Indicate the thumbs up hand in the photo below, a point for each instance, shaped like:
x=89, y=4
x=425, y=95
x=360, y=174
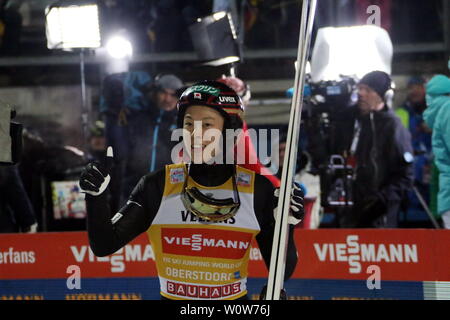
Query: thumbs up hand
x=95, y=178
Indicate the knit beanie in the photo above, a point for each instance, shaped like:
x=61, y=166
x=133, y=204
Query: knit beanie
x=378, y=81
x=169, y=81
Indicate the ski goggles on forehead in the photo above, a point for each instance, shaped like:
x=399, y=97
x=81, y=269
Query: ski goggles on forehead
x=207, y=207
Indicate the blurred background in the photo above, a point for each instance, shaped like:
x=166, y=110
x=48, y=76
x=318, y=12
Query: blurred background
x=57, y=93
x=49, y=80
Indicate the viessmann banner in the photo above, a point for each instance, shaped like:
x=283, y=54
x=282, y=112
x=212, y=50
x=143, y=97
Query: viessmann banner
x=333, y=264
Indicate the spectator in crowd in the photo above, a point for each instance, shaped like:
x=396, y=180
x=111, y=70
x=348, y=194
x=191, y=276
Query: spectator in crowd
x=163, y=94
x=378, y=146
x=437, y=117
x=411, y=114
x=16, y=212
x=140, y=114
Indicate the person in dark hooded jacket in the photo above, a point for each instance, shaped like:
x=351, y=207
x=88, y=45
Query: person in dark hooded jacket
x=374, y=141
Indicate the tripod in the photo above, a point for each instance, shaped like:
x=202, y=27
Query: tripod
x=425, y=207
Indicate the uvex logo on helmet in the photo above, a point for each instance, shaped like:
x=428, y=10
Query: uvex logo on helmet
x=227, y=99
x=216, y=95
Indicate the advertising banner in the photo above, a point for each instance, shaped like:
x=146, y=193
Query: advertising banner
x=333, y=264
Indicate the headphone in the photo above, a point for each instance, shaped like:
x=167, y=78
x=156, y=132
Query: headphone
x=389, y=95
x=247, y=94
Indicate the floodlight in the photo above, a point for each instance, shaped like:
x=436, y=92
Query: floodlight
x=215, y=40
x=118, y=47
x=350, y=51
x=70, y=25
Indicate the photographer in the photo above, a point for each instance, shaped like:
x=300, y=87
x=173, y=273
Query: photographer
x=374, y=142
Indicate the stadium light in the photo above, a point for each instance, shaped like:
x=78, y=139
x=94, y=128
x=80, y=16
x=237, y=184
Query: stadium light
x=350, y=51
x=118, y=47
x=71, y=25
x=74, y=25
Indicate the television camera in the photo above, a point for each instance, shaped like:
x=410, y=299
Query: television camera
x=325, y=101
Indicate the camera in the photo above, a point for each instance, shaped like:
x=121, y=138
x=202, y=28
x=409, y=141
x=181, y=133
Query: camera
x=336, y=183
x=325, y=101
x=332, y=96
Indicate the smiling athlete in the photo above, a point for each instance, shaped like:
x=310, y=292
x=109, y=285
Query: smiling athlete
x=201, y=216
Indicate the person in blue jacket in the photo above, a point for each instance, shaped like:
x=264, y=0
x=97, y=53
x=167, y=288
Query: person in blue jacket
x=140, y=114
x=437, y=117
x=411, y=114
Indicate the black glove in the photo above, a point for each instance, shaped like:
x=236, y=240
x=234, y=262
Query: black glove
x=95, y=178
x=297, y=210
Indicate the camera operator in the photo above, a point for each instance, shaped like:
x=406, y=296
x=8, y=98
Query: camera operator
x=374, y=142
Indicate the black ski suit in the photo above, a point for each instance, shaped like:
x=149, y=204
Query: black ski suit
x=107, y=235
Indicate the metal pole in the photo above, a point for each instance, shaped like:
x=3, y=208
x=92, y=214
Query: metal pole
x=44, y=211
x=84, y=111
x=281, y=232
x=241, y=32
x=446, y=26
